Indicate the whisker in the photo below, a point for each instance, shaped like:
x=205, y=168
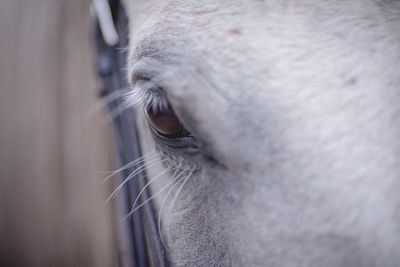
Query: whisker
x=175, y=198
x=144, y=188
x=141, y=163
x=162, y=205
x=104, y=101
x=150, y=198
x=180, y=188
x=135, y=172
x=152, y=155
x=118, y=111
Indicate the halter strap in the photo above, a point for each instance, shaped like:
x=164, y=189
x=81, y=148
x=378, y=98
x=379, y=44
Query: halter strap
x=109, y=35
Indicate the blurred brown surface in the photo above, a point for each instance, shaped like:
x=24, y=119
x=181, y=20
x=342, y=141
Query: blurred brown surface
x=52, y=210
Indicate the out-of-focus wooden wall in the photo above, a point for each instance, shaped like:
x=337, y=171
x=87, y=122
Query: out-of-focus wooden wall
x=52, y=210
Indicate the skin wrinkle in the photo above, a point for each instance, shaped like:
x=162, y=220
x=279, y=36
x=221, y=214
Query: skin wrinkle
x=299, y=102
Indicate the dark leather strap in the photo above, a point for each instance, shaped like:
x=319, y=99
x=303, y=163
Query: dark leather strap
x=145, y=247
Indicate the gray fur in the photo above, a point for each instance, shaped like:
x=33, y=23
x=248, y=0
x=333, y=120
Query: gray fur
x=298, y=102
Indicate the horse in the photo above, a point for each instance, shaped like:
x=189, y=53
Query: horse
x=274, y=128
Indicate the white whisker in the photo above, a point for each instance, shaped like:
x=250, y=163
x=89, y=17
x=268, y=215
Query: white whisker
x=176, y=197
x=180, y=188
x=150, y=156
x=135, y=172
x=144, y=188
x=162, y=205
x=104, y=101
x=118, y=110
x=153, y=196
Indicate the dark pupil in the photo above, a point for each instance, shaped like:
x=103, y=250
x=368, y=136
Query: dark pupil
x=164, y=121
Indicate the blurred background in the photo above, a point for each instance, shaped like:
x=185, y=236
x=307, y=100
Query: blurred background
x=52, y=210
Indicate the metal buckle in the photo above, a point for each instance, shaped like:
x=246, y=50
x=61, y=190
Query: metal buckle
x=102, y=10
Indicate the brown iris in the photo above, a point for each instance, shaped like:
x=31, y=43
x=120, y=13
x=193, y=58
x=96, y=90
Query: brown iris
x=165, y=122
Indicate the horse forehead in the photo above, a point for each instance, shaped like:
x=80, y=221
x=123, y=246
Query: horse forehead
x=270, y=34
x=190, y=10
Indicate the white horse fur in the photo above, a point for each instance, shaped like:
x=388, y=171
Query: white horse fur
x=296, y=105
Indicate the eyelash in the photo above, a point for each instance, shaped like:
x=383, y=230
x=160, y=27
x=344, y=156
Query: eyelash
x=148, y=98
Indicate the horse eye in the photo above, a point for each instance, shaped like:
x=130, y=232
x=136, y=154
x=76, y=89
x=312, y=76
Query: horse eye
x=165, y=122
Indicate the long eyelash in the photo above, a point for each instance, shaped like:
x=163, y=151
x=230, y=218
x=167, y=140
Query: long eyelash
x=146, y=96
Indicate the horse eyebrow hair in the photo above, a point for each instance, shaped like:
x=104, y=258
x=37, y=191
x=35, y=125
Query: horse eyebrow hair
x=140, y=76
x=143, y=70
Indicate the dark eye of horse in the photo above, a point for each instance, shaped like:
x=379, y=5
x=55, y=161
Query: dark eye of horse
x=165, y=122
